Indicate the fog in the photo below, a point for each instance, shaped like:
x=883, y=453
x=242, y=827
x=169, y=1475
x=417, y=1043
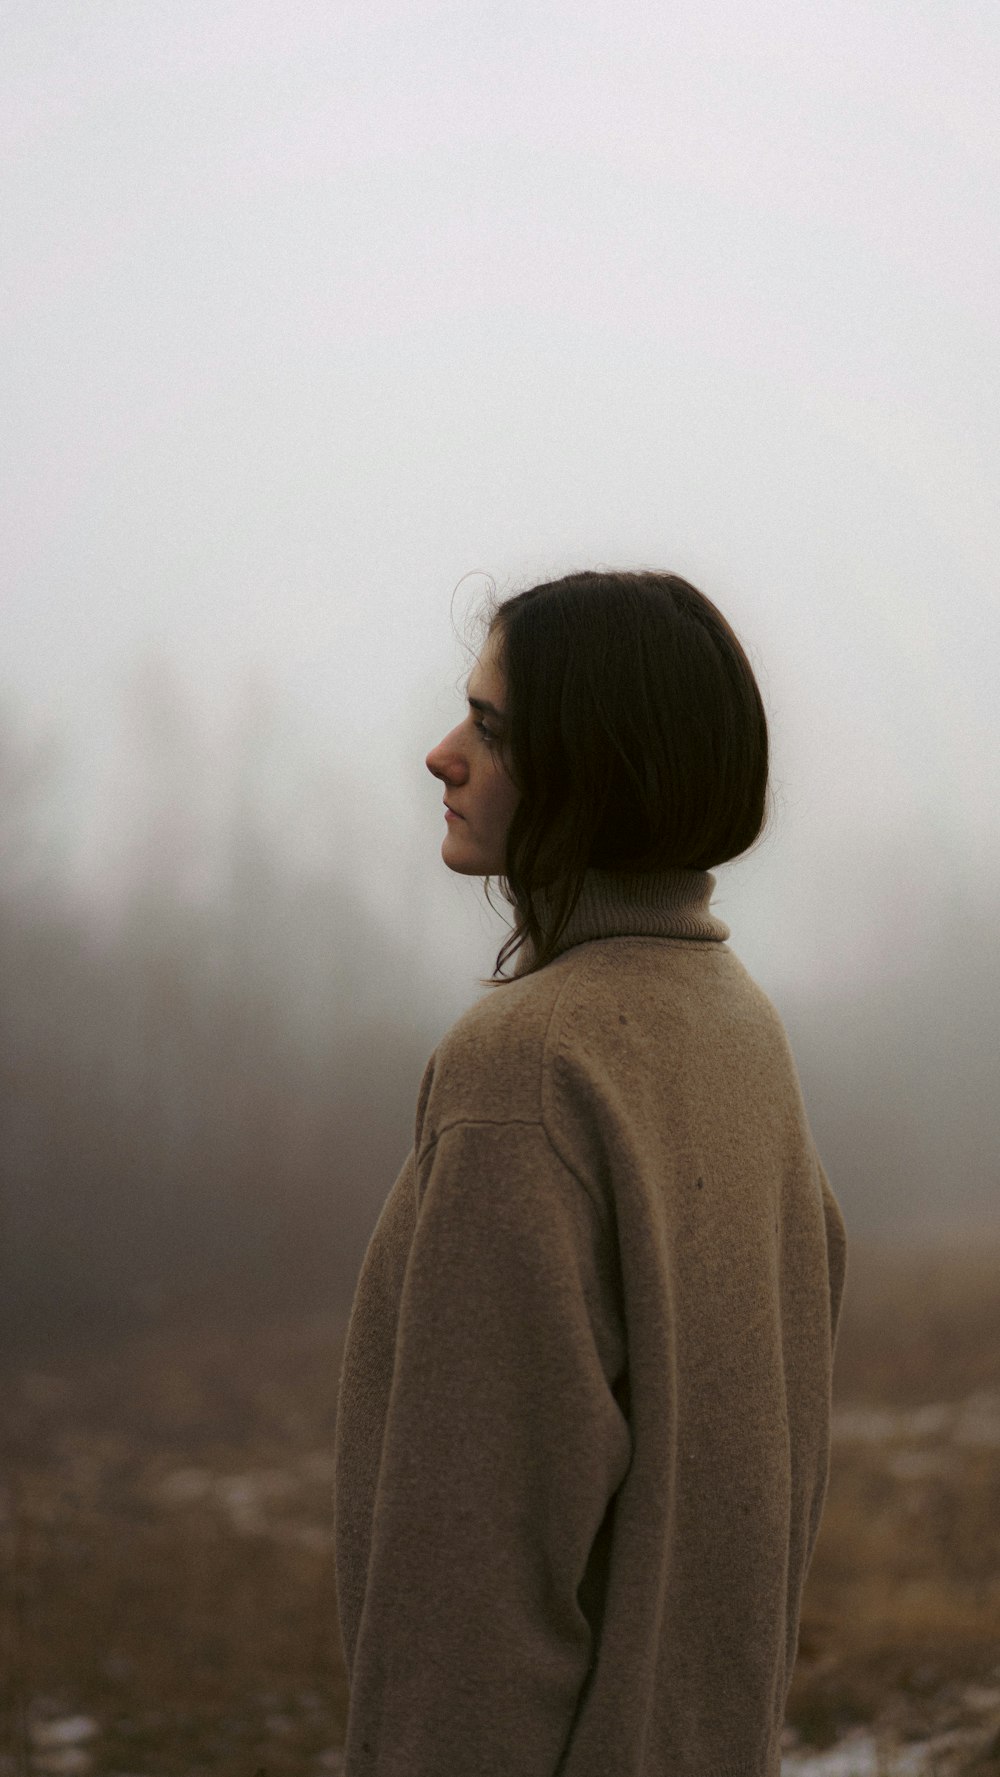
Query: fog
x=315, y=315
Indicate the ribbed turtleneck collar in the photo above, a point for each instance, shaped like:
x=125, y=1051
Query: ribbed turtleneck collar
x=644, y=904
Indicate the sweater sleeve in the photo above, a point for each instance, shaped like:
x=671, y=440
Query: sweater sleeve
x=503, y=1447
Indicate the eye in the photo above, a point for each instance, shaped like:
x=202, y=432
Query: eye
x=485, y=734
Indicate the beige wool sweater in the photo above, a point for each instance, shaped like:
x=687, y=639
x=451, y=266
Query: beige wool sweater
x=583, y=1420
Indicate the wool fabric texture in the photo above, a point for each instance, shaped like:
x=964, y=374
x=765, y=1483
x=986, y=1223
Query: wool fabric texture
x=584, y=1408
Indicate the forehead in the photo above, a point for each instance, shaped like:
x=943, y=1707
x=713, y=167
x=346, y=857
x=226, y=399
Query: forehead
x=486, y=679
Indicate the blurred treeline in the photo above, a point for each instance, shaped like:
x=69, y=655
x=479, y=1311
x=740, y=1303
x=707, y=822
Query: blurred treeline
x=211, y=1053
x=204, y=1096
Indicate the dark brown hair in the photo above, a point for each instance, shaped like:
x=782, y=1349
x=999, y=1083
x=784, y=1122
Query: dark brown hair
x=636, y=735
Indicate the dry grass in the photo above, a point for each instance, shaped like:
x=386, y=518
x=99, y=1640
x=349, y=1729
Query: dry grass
x=167, y=1520
x=901, y=1618
x=169, y=1554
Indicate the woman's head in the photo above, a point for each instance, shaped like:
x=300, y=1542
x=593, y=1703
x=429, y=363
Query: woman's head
x=634, y=738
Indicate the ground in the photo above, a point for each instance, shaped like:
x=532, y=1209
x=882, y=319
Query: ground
x=168, y=1601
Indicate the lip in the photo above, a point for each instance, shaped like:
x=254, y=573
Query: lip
x=452, y=814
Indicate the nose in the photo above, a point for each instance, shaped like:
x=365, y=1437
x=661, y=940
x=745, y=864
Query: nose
x=447, y=760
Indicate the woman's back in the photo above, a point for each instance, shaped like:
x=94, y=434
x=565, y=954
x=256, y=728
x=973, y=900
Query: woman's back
x=584, y=1411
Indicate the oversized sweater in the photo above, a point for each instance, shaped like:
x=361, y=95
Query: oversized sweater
x=583, y=1421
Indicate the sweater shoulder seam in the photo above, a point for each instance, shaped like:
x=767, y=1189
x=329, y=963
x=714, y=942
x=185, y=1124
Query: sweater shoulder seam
x=517, y=1123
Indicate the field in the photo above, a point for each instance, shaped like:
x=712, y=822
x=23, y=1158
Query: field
x=168, y=1603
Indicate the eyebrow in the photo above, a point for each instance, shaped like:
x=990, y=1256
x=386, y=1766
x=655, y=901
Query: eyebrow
x=488, y=709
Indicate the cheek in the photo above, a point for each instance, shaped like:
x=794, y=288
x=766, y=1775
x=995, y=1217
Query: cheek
x=503, y=800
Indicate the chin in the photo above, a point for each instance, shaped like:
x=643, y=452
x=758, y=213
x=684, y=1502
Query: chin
x=465, y=866
x=462, y=859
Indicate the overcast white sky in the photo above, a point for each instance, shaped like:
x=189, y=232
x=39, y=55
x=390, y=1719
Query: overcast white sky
x=312, y=309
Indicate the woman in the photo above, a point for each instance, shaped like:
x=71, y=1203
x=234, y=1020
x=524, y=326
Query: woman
x=583, y=1424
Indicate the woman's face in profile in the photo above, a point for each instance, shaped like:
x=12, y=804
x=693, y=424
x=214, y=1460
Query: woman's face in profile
x=479, y=795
